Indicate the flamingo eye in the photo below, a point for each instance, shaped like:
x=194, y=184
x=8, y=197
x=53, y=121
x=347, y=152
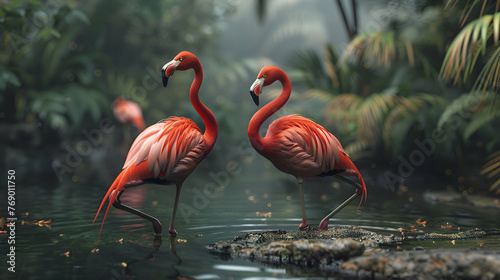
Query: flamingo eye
x=180, y=58
x=263, y=76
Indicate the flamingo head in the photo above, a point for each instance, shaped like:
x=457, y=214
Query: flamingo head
x=183, y=61
x=266, y=77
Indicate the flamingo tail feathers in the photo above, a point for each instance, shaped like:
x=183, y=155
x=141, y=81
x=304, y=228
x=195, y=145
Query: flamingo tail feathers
x=117, y=186
x=363, y=189
x=347, y=164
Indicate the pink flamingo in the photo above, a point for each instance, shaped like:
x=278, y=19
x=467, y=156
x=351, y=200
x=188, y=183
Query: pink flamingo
x=298, y=146
x=167, y=152
x=128, y=112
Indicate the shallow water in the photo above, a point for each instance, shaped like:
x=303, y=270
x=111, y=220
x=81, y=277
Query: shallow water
x=67, y=246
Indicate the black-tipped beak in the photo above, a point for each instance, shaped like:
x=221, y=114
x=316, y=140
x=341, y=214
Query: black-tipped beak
x=256, y=90
x=255, y=97
x=164, y=78
x=168, y=70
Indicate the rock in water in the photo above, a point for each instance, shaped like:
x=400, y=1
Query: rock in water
x=308, y=251
x=432, y=264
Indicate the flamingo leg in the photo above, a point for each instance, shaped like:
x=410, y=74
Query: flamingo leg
x=303, y=203
x=156, y=223
x=359, y=191
x=171, y=229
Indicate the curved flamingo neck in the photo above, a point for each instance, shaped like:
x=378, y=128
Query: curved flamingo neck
x=211, y=128
x=267, y=111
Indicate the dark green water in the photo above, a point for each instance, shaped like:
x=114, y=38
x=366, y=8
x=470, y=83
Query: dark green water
x=207, y=215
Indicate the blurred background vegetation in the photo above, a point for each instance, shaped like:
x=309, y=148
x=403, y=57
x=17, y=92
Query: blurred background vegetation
x=380, y=77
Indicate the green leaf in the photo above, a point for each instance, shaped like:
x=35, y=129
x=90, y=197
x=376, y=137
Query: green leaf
x=476, y=122
x=80, y=15
x=8, y=77
x=47, y=32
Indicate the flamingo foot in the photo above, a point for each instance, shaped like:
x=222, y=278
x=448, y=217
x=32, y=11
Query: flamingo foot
x=172, y=231
x=303, y=225
x=157, y=227
x=323, y=224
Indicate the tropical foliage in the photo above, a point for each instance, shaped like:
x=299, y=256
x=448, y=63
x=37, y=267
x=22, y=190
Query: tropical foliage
x=387, y=84
x=375, y=91
x=63, y=66
x=474, y=55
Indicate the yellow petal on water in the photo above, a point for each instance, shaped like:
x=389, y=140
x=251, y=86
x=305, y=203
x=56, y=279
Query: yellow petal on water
x=263, y=214
x=124, y=264
x=66, y=254
x=422, y=223
x=453, y=242
x=120, y=240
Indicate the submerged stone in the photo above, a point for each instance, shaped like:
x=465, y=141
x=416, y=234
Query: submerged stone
x=307, y=251
x=357, y=253
x=432, y=264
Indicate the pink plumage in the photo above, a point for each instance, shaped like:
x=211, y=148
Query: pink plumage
x=297, y=145
x=167, y=152
x=127, y=111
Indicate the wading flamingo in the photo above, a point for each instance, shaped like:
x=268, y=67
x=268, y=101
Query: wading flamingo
x=128, y=112
x=299, y=146
x=167, y=152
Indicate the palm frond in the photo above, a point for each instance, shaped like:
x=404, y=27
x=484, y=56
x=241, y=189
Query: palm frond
x=404, y=112
x=372, y=114
x=489, y=77
x=332, y=70
x=378, y=48
x=464, y=103
x=492, y=168
x=471, y=109
x=469, y=7
x=477, y=121
x=358, y=149
x=465, y=49
x=342, y=109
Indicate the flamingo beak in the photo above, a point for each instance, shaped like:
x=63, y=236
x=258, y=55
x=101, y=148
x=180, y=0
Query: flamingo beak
x=256, y=90
x=168, y=70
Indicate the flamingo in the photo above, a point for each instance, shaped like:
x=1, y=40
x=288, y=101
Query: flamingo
x=297, y=145
x=167, y=152
x=128, y=112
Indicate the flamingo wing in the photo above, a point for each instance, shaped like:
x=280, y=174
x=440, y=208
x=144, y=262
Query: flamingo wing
x=308, y=141
x=167, y=144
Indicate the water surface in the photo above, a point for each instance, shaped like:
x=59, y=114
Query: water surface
x=57, y=240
